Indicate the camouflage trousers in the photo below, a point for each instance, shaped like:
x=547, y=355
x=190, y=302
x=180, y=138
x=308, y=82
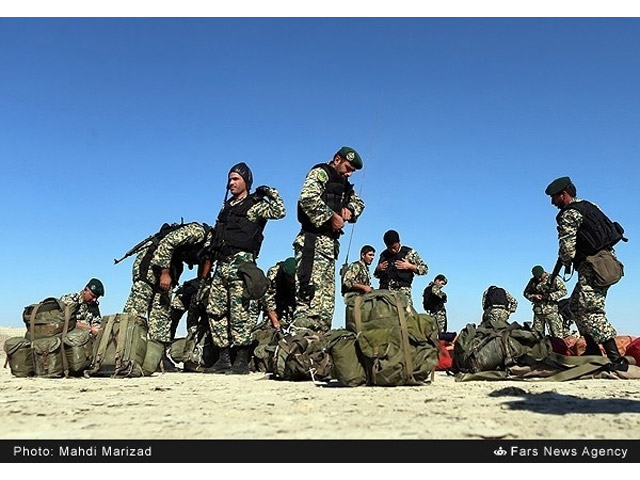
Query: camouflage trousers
x=440, y=316
x=314, y=310
x=143, y=301
x=553, y=322
x=229, y=313
x=499, y=317
x=406, y=291
x=587, y=306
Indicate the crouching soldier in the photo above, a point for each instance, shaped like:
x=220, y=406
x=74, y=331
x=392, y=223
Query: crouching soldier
x=497, y=305
x=88, y=313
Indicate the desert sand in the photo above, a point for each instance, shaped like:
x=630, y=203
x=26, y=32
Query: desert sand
x=200, y=406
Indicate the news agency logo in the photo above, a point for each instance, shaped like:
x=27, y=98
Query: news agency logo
x=500, y=452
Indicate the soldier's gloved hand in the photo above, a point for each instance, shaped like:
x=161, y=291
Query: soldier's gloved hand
x=262, y=191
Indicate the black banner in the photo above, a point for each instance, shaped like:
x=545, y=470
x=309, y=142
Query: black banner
x=311, y=451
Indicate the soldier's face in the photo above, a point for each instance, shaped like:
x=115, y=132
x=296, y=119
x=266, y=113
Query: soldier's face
x=343, y=166
x=394, y=248
x=367, y=258
x=88, y=296
x=237, y=186
x=560, y=200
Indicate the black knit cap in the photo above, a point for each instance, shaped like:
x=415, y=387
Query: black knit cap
x=244, y=171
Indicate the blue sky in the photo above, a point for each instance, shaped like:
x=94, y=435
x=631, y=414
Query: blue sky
x=113, y=126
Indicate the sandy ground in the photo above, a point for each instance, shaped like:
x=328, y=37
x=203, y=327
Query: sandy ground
x=199, y=406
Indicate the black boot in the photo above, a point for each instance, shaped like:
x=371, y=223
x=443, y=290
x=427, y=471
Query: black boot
x=612, y=351
x=241, y=363
x=166, y=364
x=223, y=365
x=592, y=346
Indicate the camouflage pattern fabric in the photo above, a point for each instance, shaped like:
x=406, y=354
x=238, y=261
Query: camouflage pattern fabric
x=587, y=301
x=498, y=314
x=413, y=258
x=546, y=310
x=357, y=272
x=88, y=313
x=268, y=302
x=317, y=313
x=145, y=299
x=440, y=315
x=228, y=312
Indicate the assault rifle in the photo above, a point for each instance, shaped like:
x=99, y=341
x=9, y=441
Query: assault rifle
x=142, y=244
x=556, y=270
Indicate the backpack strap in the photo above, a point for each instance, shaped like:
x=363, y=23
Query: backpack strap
x=105, y=337
x=406, y=350
x=65, y=329
x=32, y=330
x=357, y=313
x=121, y=345
x=576, y=367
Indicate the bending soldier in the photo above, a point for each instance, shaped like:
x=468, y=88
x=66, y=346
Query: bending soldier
x=497, y=305
x=545, y=293
x=88, y=313
x=326, y=202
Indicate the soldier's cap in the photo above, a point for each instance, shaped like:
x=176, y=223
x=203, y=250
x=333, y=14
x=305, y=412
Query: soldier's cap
x=558, y=185
x=537, y=271
x=351, y=155
x=96, y=287
x=289, y=267
x=244, y=171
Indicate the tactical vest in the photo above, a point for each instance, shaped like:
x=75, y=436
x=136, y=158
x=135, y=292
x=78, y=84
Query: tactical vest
x=392, y=276
x=430, y=301
x=496, y=296
x=285, y=294
x=234, y=232
x=336, y=193
x=597, y=232
x=165, y=230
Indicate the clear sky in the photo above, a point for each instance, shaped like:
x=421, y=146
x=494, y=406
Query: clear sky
x=112, y=126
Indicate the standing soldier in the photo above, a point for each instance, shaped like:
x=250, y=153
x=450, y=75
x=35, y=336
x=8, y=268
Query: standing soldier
x=545, y=293
x=156, y=271
x=357, y=278
x=326, y=202
x=497, y=305
x=398, y=265
x=584, y=230
x=433, y=300
x=88, y=313
x=237, y=239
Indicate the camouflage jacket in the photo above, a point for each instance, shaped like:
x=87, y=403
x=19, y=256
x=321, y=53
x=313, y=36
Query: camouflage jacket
x=513, y=303
x=88, y=313
x=551, y=294
x=357, y=272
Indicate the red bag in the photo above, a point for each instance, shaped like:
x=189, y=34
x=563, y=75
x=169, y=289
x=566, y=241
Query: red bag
x=445, y=360
x=559, y=345
x=633, y=350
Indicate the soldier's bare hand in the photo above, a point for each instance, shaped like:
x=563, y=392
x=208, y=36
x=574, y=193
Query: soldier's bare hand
x=337, y=222
x=404, y=265
x=346, y=214
x=165, y=281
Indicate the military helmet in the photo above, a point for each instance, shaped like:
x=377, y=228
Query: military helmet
x=244, y=171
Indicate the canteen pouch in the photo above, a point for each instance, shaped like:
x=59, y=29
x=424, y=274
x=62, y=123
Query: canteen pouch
x=19, y=356
x=607, y=269
x=78, y=349
x=48, y=361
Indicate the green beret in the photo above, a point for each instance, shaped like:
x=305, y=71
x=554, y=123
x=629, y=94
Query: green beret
x=558, y=185
x=537, y=271
x=351, y=155
x=96, y=287
x=289, y=267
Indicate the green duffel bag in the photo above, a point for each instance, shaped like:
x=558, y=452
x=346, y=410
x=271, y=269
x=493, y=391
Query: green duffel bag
x=301, y=357
x=176, y=349
x=424, y=345
x=347, y=366
x=19, y=356
x=263, y=348
x=78, y=347
x=152, y=357
x=48, y=358
x=199, y=352
x=377, y=308
x=386, y=362
x=48, y=318
x=120, y=347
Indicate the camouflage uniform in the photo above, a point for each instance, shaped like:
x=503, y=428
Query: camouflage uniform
x=146, y=298
x=230, y=316
x=498, y=315
x=183, y=301
x=587, y=300
x=440, y=312
x=545, y=312
x=316, y=312
x=357, y=272
x=413, y=258
x=268, y=302
x=88, y=313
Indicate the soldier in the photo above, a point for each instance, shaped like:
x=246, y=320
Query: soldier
x=279, y=302
x=157, y=270
x=326, y=202
x=545, y=293
x=398, y=265
x=88, y=313
x=584, y=230
x=497, y=305
x=184, y=301
x=237, y=240
x=433, y=300
x=357, y=278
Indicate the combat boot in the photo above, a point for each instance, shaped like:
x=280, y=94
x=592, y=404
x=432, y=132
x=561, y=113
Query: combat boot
x=613, y=354
x=592, y=346
x=166, y=364
x=223, y=365
x=241, y=362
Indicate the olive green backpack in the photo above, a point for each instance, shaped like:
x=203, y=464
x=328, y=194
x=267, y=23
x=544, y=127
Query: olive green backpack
x=49, y=317
x=395, y=344
x=302, y=356
x=122, y=348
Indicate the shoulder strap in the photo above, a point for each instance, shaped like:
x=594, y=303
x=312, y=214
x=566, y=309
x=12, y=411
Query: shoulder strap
x=404, y=332
x=65, y=329
x=357, y=313
x=105, y=336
